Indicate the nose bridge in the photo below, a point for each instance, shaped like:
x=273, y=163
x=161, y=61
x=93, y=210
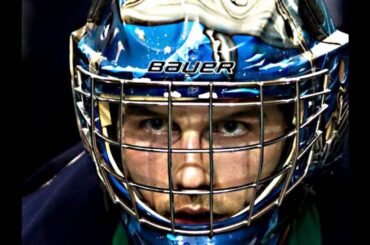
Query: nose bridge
x=191, y=139
x=192, y=171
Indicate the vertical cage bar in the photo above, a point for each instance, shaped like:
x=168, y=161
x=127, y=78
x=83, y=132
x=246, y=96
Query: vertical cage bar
x=324, y=87
x=298, y=130
x=92, y=114
x=125, y=169
x=169, y=156
x=326, y=81
x=93, y=139
x=75, y=82
x=211, y=170
x=262, y=148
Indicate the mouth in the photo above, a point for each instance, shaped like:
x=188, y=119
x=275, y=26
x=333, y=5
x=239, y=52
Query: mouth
x=196, y=216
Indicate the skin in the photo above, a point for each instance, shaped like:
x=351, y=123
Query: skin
x=233, y=126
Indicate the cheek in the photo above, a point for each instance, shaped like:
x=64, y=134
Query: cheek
x=147, y=168
x=158, y=201
x=237, y=168
x=272, y=154
x=240, y=168
x=231, y=203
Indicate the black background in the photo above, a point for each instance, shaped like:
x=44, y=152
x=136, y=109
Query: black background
x=49, y=126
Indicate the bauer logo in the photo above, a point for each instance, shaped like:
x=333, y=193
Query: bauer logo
x=192, y=68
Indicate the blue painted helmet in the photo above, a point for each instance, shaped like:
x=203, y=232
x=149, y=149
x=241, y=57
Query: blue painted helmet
x=260, y=85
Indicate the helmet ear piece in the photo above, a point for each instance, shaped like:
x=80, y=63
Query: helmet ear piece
x=95, y=12
x=312, y=17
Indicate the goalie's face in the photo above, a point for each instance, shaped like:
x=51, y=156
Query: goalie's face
x=232, y=127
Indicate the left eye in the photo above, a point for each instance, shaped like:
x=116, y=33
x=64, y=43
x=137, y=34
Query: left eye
x=231, y=128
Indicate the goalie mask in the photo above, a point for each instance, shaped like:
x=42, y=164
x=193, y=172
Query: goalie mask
x=202, y=116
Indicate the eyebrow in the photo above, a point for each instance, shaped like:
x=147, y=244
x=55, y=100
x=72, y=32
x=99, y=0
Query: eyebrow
x=254, y=112
x=138, y=110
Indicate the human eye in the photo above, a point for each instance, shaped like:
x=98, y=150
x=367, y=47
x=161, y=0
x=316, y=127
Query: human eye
x=157, y=126
x=154, y=125
x=230, y=128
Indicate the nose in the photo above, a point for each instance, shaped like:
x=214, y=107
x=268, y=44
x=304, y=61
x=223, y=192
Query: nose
x=192, y=171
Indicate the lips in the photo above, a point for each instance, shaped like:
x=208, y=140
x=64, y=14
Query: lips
x=196, y=216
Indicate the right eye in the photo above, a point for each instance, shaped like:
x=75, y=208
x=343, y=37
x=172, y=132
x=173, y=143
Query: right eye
x=154, y=125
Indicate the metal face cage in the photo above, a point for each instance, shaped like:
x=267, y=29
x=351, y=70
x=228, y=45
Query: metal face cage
x=99, y=100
